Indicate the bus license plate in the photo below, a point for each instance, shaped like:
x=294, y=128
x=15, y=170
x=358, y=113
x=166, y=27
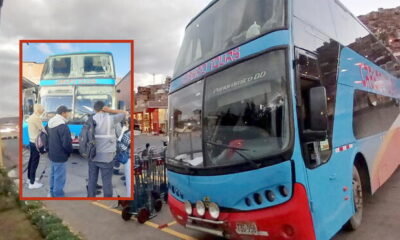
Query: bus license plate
x=246, y=228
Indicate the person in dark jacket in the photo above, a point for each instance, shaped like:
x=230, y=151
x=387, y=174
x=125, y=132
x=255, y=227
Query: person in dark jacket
x=60, y=148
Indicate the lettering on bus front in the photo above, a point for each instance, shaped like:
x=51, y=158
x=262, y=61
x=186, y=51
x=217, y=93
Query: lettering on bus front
x=240, y=82
x=211, y=65
x=76, y=81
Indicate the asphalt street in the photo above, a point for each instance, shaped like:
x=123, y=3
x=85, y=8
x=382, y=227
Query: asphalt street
x=77, y=177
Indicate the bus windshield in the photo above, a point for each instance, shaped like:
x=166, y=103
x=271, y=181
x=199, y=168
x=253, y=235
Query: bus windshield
x=245, y=116
x=93, y=65
x=86, y=96
x=53, y=97
x=226, y=24
x=78, y=98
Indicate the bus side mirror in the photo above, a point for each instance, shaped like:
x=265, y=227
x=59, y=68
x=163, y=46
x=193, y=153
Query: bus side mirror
x=121, y=105
x=318, y=120
x=318, y=109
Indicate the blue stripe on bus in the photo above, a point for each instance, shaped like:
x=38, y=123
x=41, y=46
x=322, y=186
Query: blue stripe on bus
x=108, y=81
x=74, y=128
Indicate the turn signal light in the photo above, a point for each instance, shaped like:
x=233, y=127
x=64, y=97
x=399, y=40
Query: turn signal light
x=270, y=196
x=284, y=191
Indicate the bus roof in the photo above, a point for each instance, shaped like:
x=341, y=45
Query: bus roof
x=214, y=1
x=77, y=53
x=202, y=11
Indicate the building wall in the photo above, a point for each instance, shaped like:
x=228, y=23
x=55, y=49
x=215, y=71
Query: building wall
x=151, y=104
x=32, y=71
x=124, y=91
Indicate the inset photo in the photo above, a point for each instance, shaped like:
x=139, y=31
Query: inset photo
x=75, y=117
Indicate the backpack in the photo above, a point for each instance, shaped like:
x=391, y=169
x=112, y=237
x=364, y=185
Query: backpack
x=42, y=142
x=123, y=153
x=87, y=144
x=122, y=157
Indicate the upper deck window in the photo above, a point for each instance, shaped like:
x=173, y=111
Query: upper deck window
x=226, y=24
x=91, y=65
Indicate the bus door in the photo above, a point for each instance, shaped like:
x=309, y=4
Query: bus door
x=325, y=172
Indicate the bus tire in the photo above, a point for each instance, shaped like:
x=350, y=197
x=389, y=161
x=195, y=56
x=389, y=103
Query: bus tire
x=358, y=197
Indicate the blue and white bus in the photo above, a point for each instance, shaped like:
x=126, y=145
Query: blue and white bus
x=283, y=117
x=76, y=80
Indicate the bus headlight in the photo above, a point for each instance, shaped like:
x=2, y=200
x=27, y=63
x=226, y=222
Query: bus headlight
x=213, y=209
x=200, y=208
x=188, y=208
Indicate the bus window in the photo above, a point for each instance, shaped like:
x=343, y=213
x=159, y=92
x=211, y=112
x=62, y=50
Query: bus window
x=225, y=25
x=52, y=97
x=99, y=65
x=373, y=113
x=61, y=66
x=246, y=106
x=351, y=33
x=317, y=70
x=94, y=64
x=315, y=13
x=86, y=96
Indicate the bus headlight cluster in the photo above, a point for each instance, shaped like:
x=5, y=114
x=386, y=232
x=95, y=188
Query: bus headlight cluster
x=213, y=209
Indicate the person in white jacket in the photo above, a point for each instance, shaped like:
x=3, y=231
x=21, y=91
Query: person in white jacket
x=35, y=126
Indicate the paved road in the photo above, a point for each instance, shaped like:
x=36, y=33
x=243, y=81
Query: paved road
x=100, y=220
x=77, y=175
x=381, y=216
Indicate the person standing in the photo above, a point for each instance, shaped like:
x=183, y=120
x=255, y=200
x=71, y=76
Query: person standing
x=35, y=126
x=146, y=151
x=124, y=145
x=60, y=148
x=106, y=144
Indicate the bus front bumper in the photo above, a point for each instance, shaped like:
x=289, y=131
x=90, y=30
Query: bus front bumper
x=290, y=220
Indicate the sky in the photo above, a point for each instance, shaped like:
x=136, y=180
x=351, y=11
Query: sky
x=38, y=52
x=361, y=7
x=157, y=26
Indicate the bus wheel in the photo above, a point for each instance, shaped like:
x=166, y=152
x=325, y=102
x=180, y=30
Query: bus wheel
x=355, y=220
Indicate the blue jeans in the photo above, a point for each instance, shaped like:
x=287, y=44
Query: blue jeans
x=57, y=179
x=127, y=169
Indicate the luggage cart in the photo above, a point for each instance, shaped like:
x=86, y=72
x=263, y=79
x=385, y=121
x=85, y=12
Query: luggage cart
x=160, y=174
x=147, y=202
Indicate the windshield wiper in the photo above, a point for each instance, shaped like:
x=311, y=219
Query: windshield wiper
x=185, y=165
x=237, y=150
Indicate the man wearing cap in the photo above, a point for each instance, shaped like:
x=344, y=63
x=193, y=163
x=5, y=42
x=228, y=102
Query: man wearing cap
x=60, y=148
